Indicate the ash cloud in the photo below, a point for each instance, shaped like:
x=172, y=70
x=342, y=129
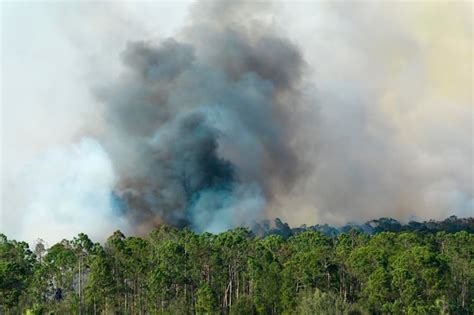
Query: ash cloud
x=198, y=128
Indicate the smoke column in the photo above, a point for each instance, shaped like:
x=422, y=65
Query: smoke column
x=214, y=114
x=198, y=128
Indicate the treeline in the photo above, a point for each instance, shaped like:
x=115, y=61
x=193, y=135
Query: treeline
x=176, y=271
x=452, y=224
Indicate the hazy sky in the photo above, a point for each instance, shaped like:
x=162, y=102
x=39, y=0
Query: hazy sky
x=389, y=113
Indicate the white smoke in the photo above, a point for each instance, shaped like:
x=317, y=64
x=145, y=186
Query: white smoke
x=65, y=191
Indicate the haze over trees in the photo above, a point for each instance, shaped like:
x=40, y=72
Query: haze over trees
x=411, y=270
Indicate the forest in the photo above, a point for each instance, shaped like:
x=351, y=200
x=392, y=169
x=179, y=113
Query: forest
x=423, y=268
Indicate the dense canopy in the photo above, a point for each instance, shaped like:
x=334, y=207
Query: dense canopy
x=176, y=271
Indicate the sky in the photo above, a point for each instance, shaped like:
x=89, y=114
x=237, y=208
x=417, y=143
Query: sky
x=388, y=116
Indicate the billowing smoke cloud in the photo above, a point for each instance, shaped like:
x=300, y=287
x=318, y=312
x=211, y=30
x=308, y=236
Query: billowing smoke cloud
x=394, y=92
x=80, y=178
x=198, y=128
x=314, y=112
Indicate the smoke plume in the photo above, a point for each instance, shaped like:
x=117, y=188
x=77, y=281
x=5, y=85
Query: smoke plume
x=215, y=114
x=198, y=128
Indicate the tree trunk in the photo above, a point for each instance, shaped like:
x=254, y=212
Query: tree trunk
x=80, y=295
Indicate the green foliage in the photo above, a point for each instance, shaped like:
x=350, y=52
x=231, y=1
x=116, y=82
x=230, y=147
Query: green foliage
x=206, y=301
x=318, y=302
x=243, y=306
x=16, y=267
x=176, y=271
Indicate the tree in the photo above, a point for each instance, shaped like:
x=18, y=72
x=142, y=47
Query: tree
x=16, y=265
x=176, y=271
x=82, y=246
x=321, y=303
x=206, y=301
x=100, y=286
x=418, y=274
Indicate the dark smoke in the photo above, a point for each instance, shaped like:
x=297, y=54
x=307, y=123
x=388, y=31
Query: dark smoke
x=198, y=128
